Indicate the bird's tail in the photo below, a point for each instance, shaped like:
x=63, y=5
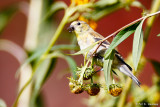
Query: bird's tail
x=124, y=69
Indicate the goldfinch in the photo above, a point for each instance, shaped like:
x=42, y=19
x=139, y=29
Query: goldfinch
x=86, y=36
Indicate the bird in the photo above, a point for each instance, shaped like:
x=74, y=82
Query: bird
x=86, y=36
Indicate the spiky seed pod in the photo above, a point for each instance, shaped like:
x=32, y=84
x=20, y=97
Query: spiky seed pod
x=75, y=86
x=92, y=89
x=87, y=74
x=115, y=89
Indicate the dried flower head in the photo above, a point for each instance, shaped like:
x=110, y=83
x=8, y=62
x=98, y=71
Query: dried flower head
x=92, y=89
x=75, y=86
x=89, y=72
x=115, y=89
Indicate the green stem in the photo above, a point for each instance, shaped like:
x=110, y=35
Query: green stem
x=21, y=91
x=56, y=35
x=68, y=12
x=42, y=58
x=150, y=22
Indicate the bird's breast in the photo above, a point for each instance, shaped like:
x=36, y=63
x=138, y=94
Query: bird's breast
x=85, y=41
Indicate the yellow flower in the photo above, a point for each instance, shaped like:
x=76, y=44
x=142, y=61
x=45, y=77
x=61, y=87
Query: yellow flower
x=80, y=2
x=90, y=22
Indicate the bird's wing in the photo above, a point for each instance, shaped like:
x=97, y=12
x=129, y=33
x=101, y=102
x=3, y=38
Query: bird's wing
x=120, y=58
x=106, y=44
x=98, y=37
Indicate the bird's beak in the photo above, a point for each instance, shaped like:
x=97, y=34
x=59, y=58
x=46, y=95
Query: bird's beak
x=70, y=28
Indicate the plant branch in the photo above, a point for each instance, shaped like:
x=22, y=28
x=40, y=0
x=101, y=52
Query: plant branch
x=151, y=20
x=116, y=32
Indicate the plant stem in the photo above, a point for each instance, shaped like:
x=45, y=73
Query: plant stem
x=116, y=32
x=42, y=58
x=150, y=22
x=68, y=12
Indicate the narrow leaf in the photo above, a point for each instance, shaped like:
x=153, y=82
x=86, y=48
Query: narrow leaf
x=158, y=35
x=83, y=51
x=64, y=47
x=156, y=66
x=72, y=64
x=107, y=68
x=41, y=75
x=104, y=3
x=59, y=5
x=6, y=15
x=120, y=37
x=137, y=44
x=34, y=56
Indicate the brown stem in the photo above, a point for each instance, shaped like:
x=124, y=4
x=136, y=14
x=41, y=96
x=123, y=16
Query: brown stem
x=116, y=32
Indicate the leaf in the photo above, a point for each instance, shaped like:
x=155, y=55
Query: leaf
x=72, y=65
x=83, y=51
x=137, y=44
x=103, y=3
x=158, y=35
x=156, y=66
x=64, y=47
x=6, y=15
x=71, y=62
x=41, y=75
x=34, y=56
x=59, y=5
x=120, y=37
x=98, y=13
x=107, y=68
x=137, y=4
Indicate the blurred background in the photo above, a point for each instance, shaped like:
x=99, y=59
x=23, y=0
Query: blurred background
x=56, y=92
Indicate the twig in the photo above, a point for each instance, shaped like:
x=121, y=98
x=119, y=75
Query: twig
x=116, y=32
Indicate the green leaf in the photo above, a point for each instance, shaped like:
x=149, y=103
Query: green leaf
x=6, y=15
x=137, y=44
x=100, y=12
x=103, y=3
x=64, y=47
x=72, y=65
x=59, y=5
x=120, y=37
x=84, y=51
x=71, y=62
x=34, y=56
x=107, y=68
x=41, y=75
x=156, y=66
x=158, y=35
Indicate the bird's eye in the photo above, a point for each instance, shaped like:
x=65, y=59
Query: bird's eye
x=78, y=23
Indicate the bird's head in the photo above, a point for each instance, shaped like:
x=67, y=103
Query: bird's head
x=79, y=27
